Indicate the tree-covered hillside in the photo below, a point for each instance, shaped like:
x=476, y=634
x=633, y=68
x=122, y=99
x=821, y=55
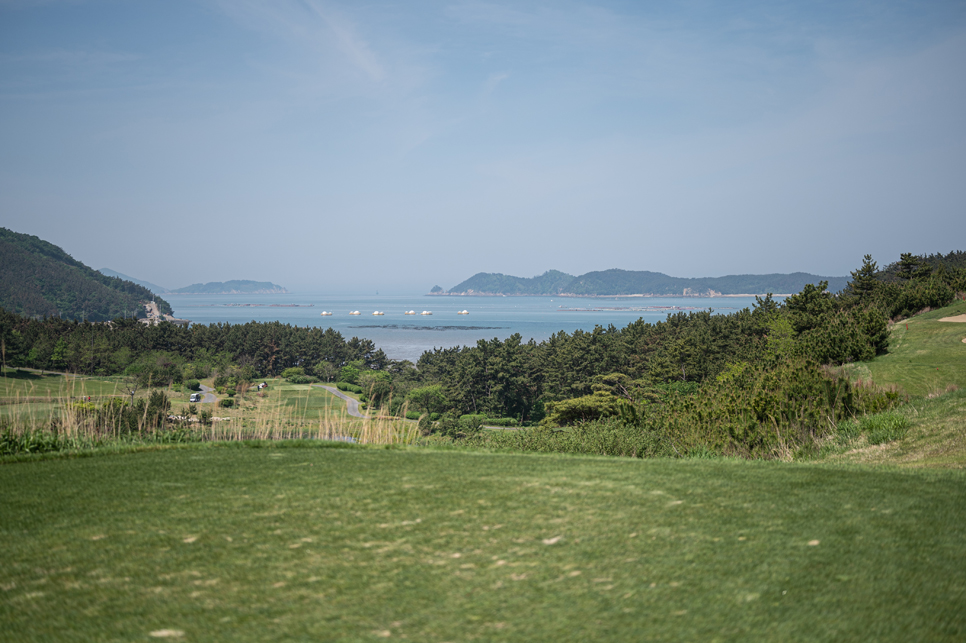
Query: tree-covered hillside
x=549, y=283
x=639, y=282
x=39, y=279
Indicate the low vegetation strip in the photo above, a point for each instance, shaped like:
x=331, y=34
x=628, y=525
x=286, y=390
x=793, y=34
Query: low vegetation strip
x=248, y=544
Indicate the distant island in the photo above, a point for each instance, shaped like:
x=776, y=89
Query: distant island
x=635, y=283
x=235, y=287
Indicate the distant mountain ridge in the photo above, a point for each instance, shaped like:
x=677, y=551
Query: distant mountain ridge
x=615, y=282
x=235, y=287
x=147, y=284
x=39, y=279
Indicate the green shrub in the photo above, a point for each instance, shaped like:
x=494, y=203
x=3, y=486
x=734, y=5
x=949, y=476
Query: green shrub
x=230, y=392
x=501, y=422
x=848, y=430
x=347, y=386
x=583, y=409
x=413, y=415
x=610, y=436
x=226, y=404
x=884, y=427
x=192, y=385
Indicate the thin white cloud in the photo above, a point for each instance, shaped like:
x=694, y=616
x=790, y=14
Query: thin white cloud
x=352, y=46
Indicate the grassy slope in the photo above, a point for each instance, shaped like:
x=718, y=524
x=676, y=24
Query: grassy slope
x=357, y=544
x=924, y=359
x=16, y=385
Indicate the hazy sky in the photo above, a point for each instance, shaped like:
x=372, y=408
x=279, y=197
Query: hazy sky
x=353, y=146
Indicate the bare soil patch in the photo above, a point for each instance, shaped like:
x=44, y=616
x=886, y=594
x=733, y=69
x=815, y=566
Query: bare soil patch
x=957, y=318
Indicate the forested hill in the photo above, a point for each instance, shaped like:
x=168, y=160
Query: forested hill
x=39, y=279
x=639, y=282
x=236, y=287
x=549, y=283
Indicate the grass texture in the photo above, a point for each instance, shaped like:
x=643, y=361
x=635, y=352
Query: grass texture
x=254, y=544
x=925, y=355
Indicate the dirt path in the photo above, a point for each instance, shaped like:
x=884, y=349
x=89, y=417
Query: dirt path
x=352, y=406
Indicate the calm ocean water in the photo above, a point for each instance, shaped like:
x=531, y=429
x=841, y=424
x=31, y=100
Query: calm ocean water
x=406, y=337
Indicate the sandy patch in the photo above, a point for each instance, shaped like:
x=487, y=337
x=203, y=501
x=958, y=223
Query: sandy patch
x=957, y=318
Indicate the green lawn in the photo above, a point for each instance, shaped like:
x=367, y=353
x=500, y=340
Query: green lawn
x=16, y=385
x=255, y=544
x=927, y=356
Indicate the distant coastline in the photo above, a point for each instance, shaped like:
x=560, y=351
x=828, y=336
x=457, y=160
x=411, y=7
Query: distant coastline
x=705, y=295
x=636, y=283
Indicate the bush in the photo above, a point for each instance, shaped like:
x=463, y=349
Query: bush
x=351, y=388
x=226, y=404
x=884, y=427
x=583, y=409
x=610, y=436
x=501, y=422
x=413, y=415
x=301, y=379
x=192, y=385
x=848, y=430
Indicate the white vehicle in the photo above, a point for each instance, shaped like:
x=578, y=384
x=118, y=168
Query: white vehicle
x=195, y=397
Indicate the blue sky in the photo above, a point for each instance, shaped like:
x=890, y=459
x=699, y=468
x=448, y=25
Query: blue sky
x=337, y=146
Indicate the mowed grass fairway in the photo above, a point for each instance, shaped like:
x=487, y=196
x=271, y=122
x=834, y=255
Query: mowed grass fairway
x=303, y=543
x=927, y=356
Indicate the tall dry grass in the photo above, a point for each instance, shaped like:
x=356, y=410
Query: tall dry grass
x=67, y=421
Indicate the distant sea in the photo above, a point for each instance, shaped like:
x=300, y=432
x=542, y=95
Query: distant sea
x=407, y=337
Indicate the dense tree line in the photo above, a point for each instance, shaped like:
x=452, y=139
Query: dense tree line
x=265, y=349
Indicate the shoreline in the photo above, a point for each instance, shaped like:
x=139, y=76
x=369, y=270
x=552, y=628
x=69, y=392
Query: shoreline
x=715, y=295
